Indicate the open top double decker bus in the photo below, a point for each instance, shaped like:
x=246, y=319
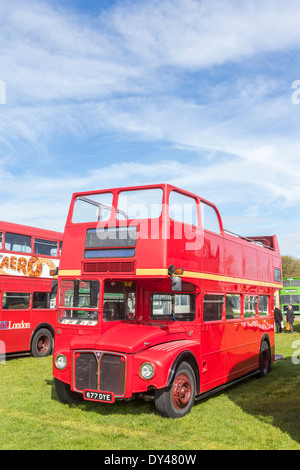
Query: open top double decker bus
x=157, y=300
x=290, y=294
x=27, y=307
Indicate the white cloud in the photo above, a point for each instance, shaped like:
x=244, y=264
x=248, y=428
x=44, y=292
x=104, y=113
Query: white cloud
x=50, y=54
x=128, y=71
x=191, y=33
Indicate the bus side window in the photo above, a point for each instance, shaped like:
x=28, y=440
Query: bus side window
x=233, y=306
x=250, y=305
x=263, y=305
x=17, y=242
x=41, y=300
x=183, y=208
x=16, y=301
x=209, y=218
x=212, y=307
x=45, y=247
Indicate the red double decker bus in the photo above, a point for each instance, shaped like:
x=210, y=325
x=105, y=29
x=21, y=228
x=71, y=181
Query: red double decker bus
x=157, y=300
x=27, y=308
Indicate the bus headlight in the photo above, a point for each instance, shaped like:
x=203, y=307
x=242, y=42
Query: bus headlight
x=60, y=361
x=147, y=370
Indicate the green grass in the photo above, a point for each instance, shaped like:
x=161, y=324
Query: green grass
x=257, y=414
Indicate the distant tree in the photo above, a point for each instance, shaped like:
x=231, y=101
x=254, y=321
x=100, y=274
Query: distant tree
x=290, y=266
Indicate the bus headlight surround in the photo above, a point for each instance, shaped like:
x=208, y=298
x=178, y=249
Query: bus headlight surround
x=60, y=361
x=147, y=370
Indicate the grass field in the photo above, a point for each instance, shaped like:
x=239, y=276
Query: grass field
x=257, y=414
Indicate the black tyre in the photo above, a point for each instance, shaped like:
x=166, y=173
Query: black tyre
x=42, y=343
x=65, y=394
x=177, y=400
x=264, y=359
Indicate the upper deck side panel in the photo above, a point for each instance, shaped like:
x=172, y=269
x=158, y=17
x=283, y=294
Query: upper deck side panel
x=163, y=241
x=31, y=231
x=28, y=251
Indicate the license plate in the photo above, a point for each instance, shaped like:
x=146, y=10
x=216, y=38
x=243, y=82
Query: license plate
x=93, y=395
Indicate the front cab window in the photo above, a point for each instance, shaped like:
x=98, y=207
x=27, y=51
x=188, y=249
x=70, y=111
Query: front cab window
x=79, y=302
x=119, y=301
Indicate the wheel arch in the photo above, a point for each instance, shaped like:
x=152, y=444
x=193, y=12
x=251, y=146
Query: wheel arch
x=185, y=356
x=39, y=327
x=265, y=361
x=265, y=337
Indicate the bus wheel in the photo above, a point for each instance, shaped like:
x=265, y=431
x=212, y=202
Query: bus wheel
x=264, y=359
x=65, y=394
x=177, y=400
x=42, y=343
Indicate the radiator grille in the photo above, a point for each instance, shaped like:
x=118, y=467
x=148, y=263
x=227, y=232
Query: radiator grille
x=112, y=374
x=86, y=367
x=110, y=369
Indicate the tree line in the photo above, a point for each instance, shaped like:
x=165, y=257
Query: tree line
x=290, y=266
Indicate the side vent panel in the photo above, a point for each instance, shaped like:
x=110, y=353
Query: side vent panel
x=108, y=267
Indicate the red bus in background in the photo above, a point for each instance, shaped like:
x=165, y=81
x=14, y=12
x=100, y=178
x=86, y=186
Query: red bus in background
x=27, y=308
x=157, y=300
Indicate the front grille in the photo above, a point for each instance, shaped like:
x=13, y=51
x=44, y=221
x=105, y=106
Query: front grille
x=110, y=368
x=112, y=374
x=86, y=366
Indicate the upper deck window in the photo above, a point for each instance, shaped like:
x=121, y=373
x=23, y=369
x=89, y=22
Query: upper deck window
x=92, y=208
x=183, y=208
x=140, y=204
x=16, y=242
x=209, y=218
x=1, y=238
x=45, y=247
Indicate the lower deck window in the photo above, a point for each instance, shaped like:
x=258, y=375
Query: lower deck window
x=174, y=307
x=233, y=306
x=212, y=307
x=263, y=305
x=16, y=300
x=250, y=302
x=41, y=300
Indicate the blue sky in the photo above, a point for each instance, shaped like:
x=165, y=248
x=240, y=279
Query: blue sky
x=194, y=93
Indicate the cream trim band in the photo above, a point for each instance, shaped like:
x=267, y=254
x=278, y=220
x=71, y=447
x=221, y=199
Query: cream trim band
x=191, y=274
